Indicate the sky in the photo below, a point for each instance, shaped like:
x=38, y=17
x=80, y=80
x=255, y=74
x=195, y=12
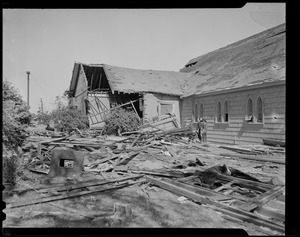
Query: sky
x=47, y=42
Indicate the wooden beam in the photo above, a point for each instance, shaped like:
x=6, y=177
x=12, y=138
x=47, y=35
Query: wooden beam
x=54, y=140
x=247, y=157
x=62, y=197
x=118, y=106
x=228, y=210
x=135, y=140
x=134, y=109
x=223, y=186
x=88, y=184
x=100, y=80
x=263, y=199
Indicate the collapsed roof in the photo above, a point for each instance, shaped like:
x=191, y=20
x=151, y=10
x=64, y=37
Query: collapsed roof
x=259, y=59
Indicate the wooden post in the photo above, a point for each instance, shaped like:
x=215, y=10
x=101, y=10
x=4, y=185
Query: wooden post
x=28, y=88
x=134, y=109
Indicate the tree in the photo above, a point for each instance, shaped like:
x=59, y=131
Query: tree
x=16, y=116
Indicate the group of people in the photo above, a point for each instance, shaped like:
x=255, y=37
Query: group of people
x=199, y=129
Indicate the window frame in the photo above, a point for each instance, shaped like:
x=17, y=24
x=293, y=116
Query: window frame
x=219, y=112
x=196, y=111
x=257, y=110
x=249, y=118
x=165, y=103
x=224, y=108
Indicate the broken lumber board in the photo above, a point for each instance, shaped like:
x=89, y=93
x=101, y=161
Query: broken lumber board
x=224, y=186
x=236, y=148
x=135, y=140
x=93, y=145
x=89, y=184
x=278, y=161
x=80, y=133
x=247, y=183
x=106, y=159
x=270, y=212
x=54, y=140
x=229, y=210
x=39, y=171
x=155, y=173
x=263, y=198
x=77, y=212
x=63, y=196
x=59, y=197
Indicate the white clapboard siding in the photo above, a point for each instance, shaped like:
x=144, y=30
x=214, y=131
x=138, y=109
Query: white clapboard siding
x=238, y=131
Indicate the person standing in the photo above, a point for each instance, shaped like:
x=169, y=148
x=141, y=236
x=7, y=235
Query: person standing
x=204, y=130
x=199, y=129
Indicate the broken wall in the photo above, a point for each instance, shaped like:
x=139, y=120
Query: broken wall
x=238, y=130
x=159, y=104
x=81, y=92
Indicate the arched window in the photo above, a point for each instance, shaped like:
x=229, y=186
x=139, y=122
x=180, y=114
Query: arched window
x=226, y=114
x=259, y=111
x=196, y=111
x=249, y=110
x=201, y=111
x=219, y=114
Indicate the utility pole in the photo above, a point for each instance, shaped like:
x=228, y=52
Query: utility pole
x=42, y=107
x=28, y=88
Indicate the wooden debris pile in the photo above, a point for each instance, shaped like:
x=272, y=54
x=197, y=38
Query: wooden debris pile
x=119, y=161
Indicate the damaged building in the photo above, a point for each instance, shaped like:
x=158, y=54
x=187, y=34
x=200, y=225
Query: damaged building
x=239, y=89
x=96, y=89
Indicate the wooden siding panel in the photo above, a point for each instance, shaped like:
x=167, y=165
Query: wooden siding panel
x=238, y=130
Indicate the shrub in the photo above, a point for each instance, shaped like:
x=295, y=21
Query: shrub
x=16, y=117
x=67, y=119
x=123, y=120
x=10, y=166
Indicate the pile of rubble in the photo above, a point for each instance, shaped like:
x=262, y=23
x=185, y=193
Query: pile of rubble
x=153, y=156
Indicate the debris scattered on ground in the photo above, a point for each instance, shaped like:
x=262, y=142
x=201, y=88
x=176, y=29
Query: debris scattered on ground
x=168, y=161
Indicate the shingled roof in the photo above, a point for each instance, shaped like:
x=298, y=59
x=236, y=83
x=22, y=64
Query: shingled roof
x=258, y=59
x=136, y=80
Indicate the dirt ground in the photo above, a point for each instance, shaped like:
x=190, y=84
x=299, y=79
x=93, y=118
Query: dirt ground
x=151, y=206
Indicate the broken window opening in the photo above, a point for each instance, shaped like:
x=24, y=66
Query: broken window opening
x=66, y=163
